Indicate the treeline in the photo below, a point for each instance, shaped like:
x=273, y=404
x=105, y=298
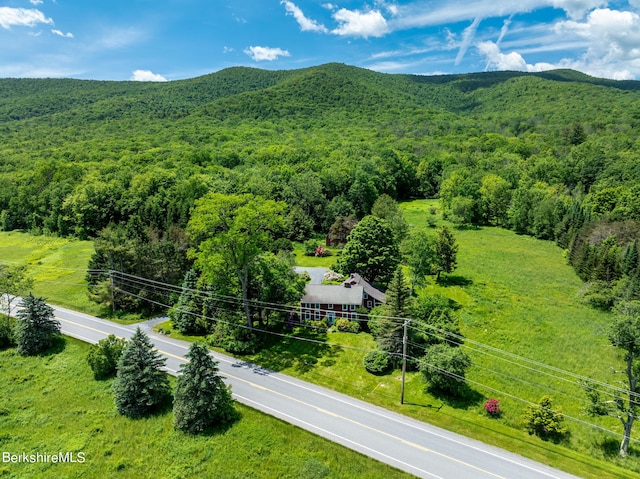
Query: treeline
x=550, y=155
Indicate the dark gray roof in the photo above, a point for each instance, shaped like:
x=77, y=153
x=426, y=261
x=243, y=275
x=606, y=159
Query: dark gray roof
x=356, y=279
x=332, y=294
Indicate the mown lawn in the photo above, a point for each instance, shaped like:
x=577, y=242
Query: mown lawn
x=52, y=404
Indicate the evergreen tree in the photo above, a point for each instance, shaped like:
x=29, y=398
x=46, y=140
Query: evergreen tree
x=37, y=328
x=184, y=315
x=201, y=399
x=141, y=387
x=446, y=252
x=397, y=295
x=630, y=259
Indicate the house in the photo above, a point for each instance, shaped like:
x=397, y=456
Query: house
x=333, y=301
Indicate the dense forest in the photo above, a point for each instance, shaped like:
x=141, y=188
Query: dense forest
x=553, y=155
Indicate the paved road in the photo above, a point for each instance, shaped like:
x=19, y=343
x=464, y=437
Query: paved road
x=412, y=446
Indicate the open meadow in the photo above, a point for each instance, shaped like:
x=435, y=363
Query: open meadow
x=52, y=404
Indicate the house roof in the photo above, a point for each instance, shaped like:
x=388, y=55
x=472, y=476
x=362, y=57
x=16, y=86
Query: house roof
x=332, y=294
x=356, y=279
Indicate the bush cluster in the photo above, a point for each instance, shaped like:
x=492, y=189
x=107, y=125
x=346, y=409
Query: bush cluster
x=346, y=326
x=377, y=362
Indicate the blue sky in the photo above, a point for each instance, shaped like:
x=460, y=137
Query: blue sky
x=173, y=39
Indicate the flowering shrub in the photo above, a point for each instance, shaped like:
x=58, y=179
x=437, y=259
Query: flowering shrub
x=492, y=406
x=321, y=251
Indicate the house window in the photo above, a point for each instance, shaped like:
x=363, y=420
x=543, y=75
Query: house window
x=317, y=305
x=354, y=316
x=365, y=295
x=353, y=307
x=307, y=305
x=368, y=304
x=307, y=315
x=345, y=307
x=317, y=315
x=330, y=306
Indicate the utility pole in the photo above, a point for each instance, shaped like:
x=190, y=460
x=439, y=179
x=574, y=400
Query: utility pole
x=404, y=357
x=111, y=285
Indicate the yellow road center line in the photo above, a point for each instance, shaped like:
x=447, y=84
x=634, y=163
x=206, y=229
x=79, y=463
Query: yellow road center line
x=324, y=411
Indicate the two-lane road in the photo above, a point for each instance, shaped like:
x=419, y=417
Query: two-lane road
x=412, y=446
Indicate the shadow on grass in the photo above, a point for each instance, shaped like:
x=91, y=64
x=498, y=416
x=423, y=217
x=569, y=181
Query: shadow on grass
x=454, y=280
x=610, y=448
x=279, y=353
x=59, y=343
x=220, y=429
x=465, y=398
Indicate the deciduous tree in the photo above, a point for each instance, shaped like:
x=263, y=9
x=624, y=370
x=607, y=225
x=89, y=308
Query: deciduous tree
x=371, y=251
x=14, y=282
x=446, y=252
x=103, y=357
x=444, y=368
x=623, y=405
x=231, y=231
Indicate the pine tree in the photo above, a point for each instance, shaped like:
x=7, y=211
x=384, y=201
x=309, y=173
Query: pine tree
x=141, y=387
x=397, y=295
x=630, y=259
x=37, y=328
x=184, y=314
x=201, y=399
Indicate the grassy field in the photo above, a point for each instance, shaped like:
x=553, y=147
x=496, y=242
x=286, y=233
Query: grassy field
x=516, y=294
x=52, y=404
x=57, y=265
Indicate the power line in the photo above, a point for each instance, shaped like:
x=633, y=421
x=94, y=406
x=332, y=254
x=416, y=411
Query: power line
x=164, y=288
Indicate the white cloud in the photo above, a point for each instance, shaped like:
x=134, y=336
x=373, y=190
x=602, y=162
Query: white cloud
x=36, y=2
x=60, y=34
x=613, y=39
x=577, y=8
x=146, y=75
x=467, y=38
x=360, y=24
x=306, y=24
x=497, y=60
x=266, y=53
x=23, y=17
x=227, y=49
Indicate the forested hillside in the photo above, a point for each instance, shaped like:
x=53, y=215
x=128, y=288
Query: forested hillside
x=553, y=155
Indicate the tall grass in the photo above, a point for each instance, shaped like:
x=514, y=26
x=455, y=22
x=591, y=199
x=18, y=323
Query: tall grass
x=58, y=266
x=52, y=404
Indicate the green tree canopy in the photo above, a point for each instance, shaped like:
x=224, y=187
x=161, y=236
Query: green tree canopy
x=624, y=335
x=141, y=386
x=184, y=315
x=231, y=232
x=446, y=252
x=14, y=282
x=103, y=357
x=371, y=251
x=444, y=368
x=37, y=329
x=201, y=400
